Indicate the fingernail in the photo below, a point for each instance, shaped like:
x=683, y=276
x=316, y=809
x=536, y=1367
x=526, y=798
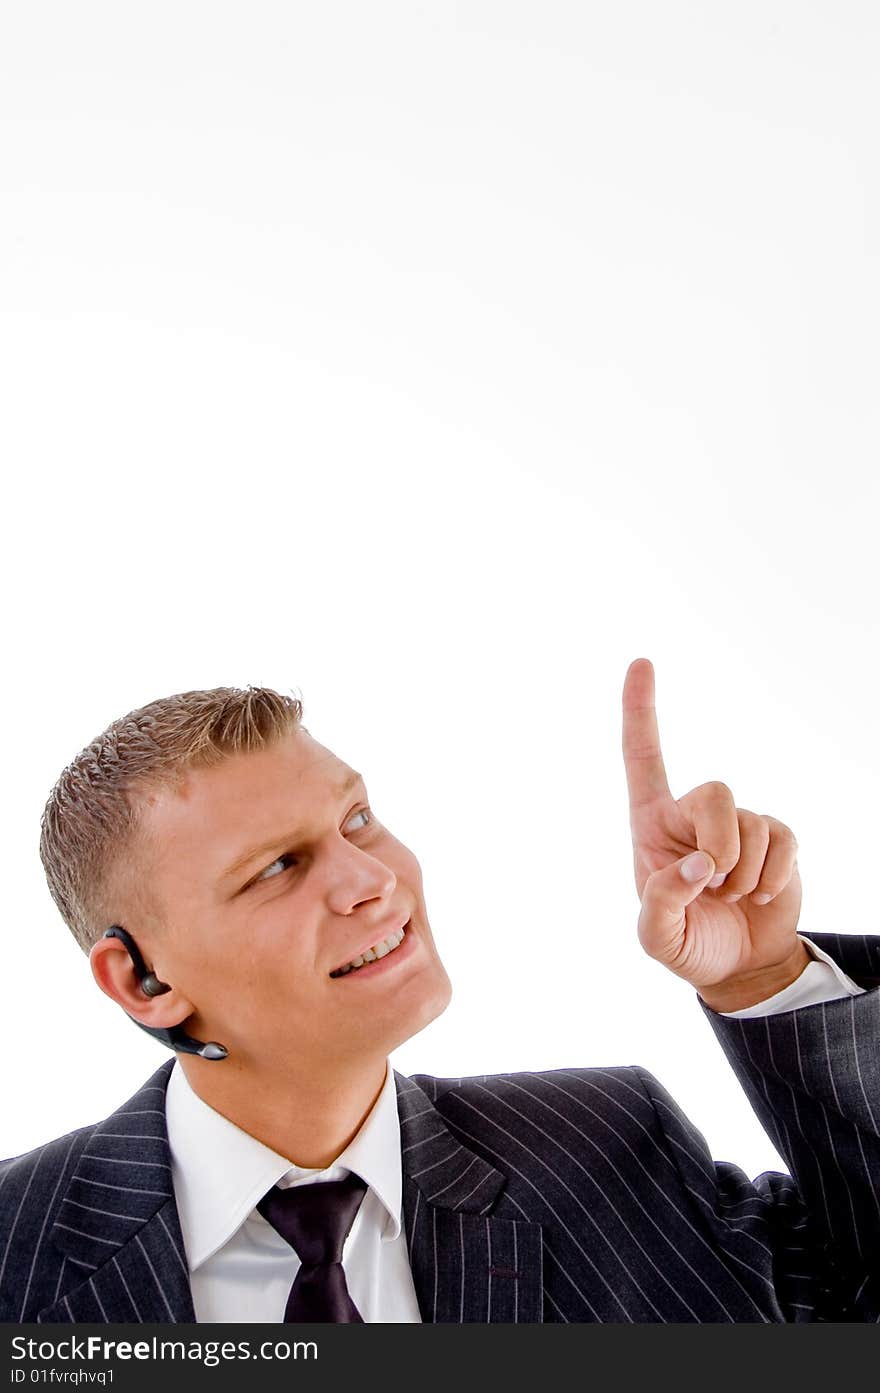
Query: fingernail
x=761, y=899
x=731, y=899
x=717, y=880
x=696, y=866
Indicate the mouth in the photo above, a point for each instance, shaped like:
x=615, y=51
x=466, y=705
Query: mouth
x=373, y=958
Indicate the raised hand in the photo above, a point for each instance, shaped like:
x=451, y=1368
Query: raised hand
x=719, y=885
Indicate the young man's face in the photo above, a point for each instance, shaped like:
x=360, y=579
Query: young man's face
x=271, y=874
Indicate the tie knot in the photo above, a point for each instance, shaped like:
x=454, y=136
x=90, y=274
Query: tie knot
x=315, y=1219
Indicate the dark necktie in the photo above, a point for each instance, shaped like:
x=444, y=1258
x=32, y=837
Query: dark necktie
x=315, y=1220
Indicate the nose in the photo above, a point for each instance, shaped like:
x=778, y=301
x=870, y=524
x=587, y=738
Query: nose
x=356, y=877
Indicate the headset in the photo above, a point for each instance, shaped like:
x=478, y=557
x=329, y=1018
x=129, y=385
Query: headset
x=173, y=1036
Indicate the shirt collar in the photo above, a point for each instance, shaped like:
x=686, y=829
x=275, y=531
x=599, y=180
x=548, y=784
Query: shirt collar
x=215, y=1198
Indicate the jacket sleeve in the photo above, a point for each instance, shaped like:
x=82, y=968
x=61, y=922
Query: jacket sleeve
x=812, y=1076
x=761, y=1230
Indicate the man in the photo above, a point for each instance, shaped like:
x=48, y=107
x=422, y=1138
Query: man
x=258, y=905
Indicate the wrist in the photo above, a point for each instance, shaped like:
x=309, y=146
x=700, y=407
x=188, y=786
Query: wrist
x=751, y=988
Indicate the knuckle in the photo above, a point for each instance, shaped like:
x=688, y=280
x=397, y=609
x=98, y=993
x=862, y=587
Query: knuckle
x=738, y=883
x=653, y=886
x=770, y=885
x=717, y=792
x=658, y=897
x=724, y=851
x=726, y=854
x=781, y=833
x=786, y=848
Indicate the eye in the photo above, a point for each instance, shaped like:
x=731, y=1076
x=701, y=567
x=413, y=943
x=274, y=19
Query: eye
x=283, y=862
x=277, y=866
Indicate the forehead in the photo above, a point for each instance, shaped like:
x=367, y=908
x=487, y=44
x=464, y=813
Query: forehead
x=220, y=810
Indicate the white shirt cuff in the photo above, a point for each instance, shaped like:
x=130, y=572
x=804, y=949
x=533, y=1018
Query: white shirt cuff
x=821, y=980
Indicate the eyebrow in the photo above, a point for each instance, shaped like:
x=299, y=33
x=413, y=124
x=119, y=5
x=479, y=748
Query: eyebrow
x=273, y=843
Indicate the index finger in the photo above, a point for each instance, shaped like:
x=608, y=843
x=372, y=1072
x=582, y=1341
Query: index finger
x=645, y=770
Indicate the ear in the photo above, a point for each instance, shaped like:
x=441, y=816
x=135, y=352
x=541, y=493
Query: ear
x=113, y=970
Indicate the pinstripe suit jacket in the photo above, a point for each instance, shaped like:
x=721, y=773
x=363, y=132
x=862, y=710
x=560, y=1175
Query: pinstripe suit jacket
x=572, y=1195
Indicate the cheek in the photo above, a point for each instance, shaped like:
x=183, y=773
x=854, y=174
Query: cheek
x=241, y=959
x=263, y=986
x=404, y=864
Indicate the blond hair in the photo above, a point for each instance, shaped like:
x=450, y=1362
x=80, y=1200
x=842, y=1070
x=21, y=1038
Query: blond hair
x=91, y=817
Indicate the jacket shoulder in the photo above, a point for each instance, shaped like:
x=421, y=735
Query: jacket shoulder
x=48, y=1163
x=526, y=1101
x=33, y=1184
x=577, y=1119
x=33, y=1188
x=44, y=1165
x=620, y=1076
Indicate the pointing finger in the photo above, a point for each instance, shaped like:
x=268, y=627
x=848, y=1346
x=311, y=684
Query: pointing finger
x=645, y=771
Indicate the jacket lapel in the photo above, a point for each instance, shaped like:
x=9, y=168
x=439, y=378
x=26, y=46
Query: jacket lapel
x=117, y=1225
x=466, y=1265
x=124, y=1257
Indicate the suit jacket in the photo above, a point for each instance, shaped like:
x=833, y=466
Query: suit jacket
x=571, y=1195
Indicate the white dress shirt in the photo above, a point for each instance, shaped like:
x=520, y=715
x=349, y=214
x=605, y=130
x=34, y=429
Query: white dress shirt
x=241, y=1270
x=821, y=980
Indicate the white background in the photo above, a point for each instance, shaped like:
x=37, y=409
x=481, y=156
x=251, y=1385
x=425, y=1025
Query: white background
x=435, y=360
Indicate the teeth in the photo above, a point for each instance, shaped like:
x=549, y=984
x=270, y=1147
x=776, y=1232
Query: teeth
x=379, y=950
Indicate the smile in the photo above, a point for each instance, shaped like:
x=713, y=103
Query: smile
x=373, y=954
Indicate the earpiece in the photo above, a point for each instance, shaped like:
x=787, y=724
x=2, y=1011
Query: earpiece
x=173, y=1036
x=151, y=986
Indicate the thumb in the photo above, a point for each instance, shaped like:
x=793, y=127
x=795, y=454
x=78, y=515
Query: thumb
x=665, y=897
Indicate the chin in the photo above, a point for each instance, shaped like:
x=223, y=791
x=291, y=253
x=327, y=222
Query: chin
x=432, y=1005
x=399, y=1025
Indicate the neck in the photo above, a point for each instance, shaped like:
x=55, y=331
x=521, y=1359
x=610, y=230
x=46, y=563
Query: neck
x=309, y=1119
